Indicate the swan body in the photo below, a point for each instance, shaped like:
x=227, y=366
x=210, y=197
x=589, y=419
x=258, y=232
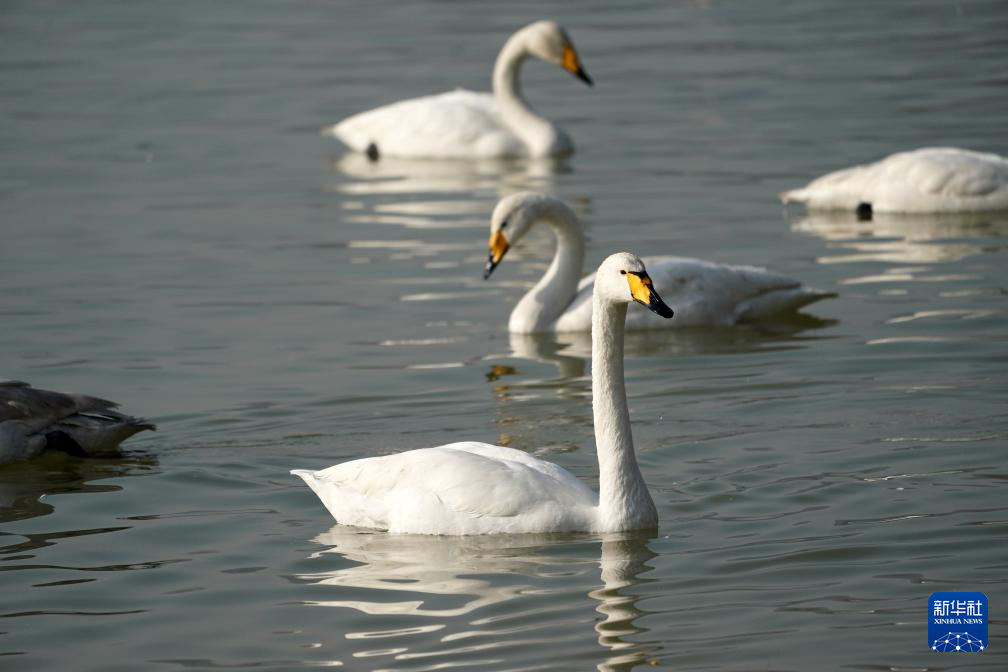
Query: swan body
x=477, y=488
x=703, y=293
x=33, y=421
x=465, y=124
x=932, y=179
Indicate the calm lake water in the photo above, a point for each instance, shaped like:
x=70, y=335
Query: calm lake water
x=178, y=237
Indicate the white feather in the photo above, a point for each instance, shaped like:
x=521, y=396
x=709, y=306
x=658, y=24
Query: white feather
x=457, y=124
x=477, y=488
x=466, y=124
x=702, y=293
x=458, y=488
x=932, y=179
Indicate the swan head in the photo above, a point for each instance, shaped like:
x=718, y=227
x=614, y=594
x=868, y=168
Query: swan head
x=550, y=42
x=622, y=278
x=513, y=216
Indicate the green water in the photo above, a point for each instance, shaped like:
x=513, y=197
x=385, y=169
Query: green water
x=177, y=237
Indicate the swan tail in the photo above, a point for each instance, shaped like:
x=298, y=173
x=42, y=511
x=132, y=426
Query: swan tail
x=781, y=301
x=344, y=505
x=793, y=196
x=308, y=476
x=347, y=133
x=323, y=493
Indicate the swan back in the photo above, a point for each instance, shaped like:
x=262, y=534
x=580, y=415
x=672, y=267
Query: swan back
x=457, y=488
x=458, y=124
x=931, y=179
x=703, y=293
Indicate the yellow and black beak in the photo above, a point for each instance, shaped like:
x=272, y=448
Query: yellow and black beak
x=642, y=291
x=572, y=64
x=498, y=248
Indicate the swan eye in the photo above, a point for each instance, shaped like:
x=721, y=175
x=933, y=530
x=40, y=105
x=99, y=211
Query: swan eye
x=622, y=272
x=504, y=224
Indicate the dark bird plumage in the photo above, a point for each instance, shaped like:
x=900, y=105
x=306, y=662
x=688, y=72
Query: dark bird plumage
x=33, y=421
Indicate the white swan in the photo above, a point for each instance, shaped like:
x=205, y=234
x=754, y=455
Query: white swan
x=34, y=420
x=477, y=488
x=702, y=293
x=463, y=124
x=932, y=179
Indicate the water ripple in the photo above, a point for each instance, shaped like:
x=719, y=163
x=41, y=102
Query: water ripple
x=462, y=586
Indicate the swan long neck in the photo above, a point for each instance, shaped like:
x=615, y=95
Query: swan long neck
x=624, y=500
x=548, y=299
x=539, y=134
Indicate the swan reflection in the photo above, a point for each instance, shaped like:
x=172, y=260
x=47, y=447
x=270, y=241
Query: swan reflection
x=361, y=176
x=458, y=587
x=904, y=238
x=569, y=351
x=623, y=561
x=566, y=355
x=24, y=485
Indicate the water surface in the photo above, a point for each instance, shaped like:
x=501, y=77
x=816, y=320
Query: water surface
x=178, y=237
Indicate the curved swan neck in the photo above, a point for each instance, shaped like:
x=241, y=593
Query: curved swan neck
x=624, y=500
x=548, y=299
x=538, y=134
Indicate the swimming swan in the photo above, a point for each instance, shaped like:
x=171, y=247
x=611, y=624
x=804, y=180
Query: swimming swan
x=34, y=420
x=932, y=179
x=477, y=488
x=465, y=124
x=703, y=293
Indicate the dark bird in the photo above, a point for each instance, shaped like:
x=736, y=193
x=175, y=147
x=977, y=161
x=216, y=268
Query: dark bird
x=33, y=421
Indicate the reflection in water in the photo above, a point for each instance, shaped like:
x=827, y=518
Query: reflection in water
x=23, y=485
x=904, y=238
x=570, y=351
x=443, y=579
x=425, y=196
x=414, y=176
x=624, y=560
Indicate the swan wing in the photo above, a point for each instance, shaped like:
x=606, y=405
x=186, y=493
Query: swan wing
x=946, y=172
x=931, y=179
x=460, y=488
x=708, y=293
x=702, y=293
x=457, y=124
